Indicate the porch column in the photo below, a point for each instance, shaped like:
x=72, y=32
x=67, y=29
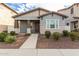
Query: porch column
x=28, y=23
x=19, y=22
x=17, y=26
x=78, y=24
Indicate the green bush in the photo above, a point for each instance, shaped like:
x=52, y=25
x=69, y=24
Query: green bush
x=12, y=33
x=65, y=33
x=9, y=39
x=73, y=36
x=47, y=34
x=56, y=36
x=2, y=36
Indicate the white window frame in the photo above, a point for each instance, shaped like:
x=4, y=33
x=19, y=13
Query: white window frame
x=49, y=25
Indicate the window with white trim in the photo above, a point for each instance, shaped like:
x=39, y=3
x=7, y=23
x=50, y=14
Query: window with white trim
x=52, y=23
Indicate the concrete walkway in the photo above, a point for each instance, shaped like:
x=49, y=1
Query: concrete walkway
x=30, y=42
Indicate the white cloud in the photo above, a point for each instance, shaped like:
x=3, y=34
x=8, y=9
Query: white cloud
x=20, y=10
x=26, y=7
x=53, y=5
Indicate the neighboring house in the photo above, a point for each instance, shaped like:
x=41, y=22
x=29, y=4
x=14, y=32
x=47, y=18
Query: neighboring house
x=73, y=13
x=40, y=20
x=6, y=19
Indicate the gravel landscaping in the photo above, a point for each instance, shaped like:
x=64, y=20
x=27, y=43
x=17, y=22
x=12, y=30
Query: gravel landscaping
x=62, y=43
x=20, y=39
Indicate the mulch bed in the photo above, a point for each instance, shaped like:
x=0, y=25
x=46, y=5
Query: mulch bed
x=20, y=39
x=63, y=43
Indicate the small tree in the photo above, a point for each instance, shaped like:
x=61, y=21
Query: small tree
x=12, y=33
x=2, y=36
x=47, y=34
x=65, y=33
x=9, y=39
x=56, y=36
x=73, y=36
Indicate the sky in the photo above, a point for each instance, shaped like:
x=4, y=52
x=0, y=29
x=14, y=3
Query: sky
x=22, y=7
x=52, y=5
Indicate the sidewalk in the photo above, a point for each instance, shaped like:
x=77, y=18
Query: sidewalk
x=39, y=52
x=30, y=42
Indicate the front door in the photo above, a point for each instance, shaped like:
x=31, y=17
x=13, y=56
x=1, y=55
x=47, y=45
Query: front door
x=35, y=26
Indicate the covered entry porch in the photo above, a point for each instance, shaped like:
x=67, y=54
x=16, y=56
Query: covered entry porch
x=74, y=25
x=31, y=26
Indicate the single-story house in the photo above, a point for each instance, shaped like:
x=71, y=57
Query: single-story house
x=40, y=20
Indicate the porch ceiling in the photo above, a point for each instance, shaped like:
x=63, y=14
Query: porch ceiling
x=73, y=19
x=27, y=18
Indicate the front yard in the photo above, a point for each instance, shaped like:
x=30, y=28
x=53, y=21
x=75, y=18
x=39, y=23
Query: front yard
x=62, y=43
x=15, y=45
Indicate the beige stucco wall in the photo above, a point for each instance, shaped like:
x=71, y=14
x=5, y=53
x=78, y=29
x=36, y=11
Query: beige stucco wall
x=68, y=11
x=6, y=17
x=76, y=10
x=62, y=24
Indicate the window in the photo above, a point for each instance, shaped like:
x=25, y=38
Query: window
x=72, y=11
x=52, y=23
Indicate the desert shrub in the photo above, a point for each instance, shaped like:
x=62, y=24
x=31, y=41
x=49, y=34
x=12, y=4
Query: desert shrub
x=12, y=33
x=47, y=34
x=2, y=36
x=65, y=33
x=74, y=36
x=56, y=36
x=9, y=39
